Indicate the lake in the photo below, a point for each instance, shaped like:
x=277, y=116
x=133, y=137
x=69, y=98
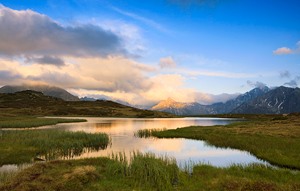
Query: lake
x=121, y=132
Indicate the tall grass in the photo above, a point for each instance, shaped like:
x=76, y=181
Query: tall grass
x=9, y=174
x=6, y=176
x=147, y=170
x=22, y=146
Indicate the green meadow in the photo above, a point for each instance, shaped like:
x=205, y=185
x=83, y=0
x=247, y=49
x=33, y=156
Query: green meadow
x=275, y=139
x=28, y=121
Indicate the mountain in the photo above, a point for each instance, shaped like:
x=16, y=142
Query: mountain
x=277, y=101
x=180, y=108
x=30, y=102
x=227, y=107
x=194, y=108
x=45, y=89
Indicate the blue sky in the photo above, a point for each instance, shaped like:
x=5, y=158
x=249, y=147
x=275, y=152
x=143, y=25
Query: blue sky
x=192, y=50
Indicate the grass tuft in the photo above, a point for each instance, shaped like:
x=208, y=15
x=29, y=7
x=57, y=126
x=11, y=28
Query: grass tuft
x=145, y=133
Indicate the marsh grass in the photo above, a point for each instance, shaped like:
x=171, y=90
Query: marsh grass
x=6, y=176
x=276, y=141
x=21, y=146
x=161, y=173
x=27, y=122
x=145, y=133
x=147, y=172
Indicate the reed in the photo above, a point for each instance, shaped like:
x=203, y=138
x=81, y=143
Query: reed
x=145, y=133
x=161, y=173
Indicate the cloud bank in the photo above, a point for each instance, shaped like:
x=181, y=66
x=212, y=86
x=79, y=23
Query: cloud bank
x=88, y=60
x=27, y=33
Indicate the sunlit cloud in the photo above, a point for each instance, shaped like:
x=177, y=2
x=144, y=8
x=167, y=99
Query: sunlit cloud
x=283, y=50
x=286, y=50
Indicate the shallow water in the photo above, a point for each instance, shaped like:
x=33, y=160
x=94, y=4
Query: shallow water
x=121, y=132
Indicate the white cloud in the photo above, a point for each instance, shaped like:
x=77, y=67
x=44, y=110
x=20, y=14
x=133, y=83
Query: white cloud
x=131, y=34
x=285, y=74
x=142, y=19
x=167, y=62
x=194, y=73
x=256, y=84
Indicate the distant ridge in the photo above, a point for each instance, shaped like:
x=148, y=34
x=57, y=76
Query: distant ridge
x=45, y=89
x=260, y=100
x=180, y=108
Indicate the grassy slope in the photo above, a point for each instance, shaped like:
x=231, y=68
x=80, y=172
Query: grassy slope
x=146, y=173
x=275, y=139
x=28, y=121
x=18, y=147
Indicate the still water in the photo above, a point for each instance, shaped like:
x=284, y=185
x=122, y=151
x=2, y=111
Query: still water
x=121, y=132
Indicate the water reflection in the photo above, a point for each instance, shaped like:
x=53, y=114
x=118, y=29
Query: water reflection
x=121, y=131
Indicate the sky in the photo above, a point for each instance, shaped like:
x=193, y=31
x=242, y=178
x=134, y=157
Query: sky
x=142, y=52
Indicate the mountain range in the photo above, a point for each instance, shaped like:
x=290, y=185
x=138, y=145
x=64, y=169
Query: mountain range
x=262, y=100
x=277, y=101
x=45, y=89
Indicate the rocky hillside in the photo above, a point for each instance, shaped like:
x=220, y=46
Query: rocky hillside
x=277, y=101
